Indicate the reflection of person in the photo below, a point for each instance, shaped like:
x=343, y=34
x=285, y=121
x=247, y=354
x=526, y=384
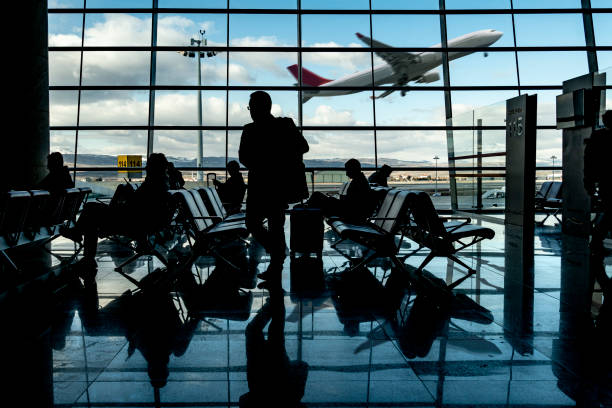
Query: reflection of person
x=272, y=149
x=58, y=178
x=356, y=205
x=273, y=379
x=380, y=176
x=232, y=191
x=146, y=210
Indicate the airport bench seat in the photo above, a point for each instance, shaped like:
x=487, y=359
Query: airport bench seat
x=428, y=230
x=215, y=206
x=549, y=199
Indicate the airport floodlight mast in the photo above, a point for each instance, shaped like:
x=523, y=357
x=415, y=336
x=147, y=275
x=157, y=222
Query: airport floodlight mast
x=553, y=157
x=436, y=158
x=198, y=55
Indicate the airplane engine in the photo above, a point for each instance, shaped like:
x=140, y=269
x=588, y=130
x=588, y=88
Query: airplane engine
x=431, y=76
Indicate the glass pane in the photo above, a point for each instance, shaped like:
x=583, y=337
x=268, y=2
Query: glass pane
x=63, y=108
x=477, y=4
x=550, y=4
x=335, y=4
x=417, y=108
x=179, y=29
x=474, y=24
x=65, y=29
x=119, y=4
x=175, y=69
x=346, y=110
x=268, y=4
x=334, y=30
x=490, y=106
x=547, y=107
x=180, y=108
x=405, y=5
x=116, y=68
x=118, y=29
x=181, y=146
x=262, y=69
x=549, y=143
x=284, y=103
x=101, y=148
x=549, y=30
x=63, y=141
x=406, y=30
x=63, y=4
x=551, y=68
x=263, y=30
x=64, y=67
x=193, y=3
x=334, y=148
x=602, y=24
x=411, y=148
x=109, y=108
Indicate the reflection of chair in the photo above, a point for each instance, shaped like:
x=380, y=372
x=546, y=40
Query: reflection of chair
x=549, y=199
x=443, y=239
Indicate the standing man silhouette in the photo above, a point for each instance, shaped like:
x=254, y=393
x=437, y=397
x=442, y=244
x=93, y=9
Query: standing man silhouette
x=272, y=149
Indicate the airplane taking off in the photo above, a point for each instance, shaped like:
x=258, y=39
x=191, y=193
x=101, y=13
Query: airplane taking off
x=399, y=67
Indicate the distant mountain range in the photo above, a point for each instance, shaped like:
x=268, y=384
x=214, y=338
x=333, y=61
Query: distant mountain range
x=100, y=160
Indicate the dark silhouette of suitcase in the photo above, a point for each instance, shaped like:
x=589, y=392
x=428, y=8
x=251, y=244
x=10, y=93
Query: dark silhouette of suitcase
x=306, y=231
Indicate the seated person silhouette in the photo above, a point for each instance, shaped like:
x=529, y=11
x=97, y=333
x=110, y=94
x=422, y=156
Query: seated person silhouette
x=356, y=206
x=58, y=178
x=380, y=176
x=232, y=191
x=273, y=379
x=146, y=210
x=175, y=178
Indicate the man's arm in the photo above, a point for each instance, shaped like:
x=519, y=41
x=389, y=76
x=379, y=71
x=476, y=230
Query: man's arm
x=244, y=151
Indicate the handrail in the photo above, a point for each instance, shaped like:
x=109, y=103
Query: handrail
x=309, y=169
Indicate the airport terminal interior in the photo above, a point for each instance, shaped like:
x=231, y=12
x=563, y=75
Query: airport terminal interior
x=440, y=183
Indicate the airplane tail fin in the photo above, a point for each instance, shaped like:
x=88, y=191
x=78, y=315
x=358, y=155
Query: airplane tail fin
x=309, y=78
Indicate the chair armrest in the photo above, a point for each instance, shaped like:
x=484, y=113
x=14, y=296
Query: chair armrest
x=212, y=217
x=467, y=219
x=382, y=218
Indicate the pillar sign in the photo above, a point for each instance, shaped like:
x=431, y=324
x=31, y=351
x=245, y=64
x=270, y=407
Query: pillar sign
x=520, y=160
x=125, y=161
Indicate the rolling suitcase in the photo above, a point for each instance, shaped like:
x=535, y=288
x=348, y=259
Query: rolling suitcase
x=306, y=231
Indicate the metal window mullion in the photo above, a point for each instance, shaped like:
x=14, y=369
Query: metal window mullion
x=518, y=74
x=589, y=35
x=152, y=81
x=227, y=64
x=299, y=78
x=373, y=94
x=448, y=107
x=78, y=118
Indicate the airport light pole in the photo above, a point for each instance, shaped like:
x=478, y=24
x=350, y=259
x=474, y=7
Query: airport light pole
x=198, y=55
x=436, y=158
x=553, y=157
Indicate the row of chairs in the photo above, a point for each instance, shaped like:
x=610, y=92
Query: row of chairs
x=36, y=217
x=549, y=199
x=411, y=214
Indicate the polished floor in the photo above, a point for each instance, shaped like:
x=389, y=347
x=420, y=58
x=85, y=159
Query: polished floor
x=520, y=332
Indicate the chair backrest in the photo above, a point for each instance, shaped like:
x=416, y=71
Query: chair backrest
x=424, y=214
x=190, y=211
x=72, y=201
x=14, y=207
x=213, y=201
x=197, y=198
x=34, y=221
x=544, y=188
x=555, y=190
x=392, y=212
x=343, y=188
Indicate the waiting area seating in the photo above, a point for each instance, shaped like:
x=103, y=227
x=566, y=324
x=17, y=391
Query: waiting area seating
x=549, y=199
x=36, y=217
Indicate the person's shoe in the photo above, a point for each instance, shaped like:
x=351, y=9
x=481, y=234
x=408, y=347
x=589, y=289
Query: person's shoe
x=71, y=233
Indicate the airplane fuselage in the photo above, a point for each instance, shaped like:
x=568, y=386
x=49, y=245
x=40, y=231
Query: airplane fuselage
x=384, y=74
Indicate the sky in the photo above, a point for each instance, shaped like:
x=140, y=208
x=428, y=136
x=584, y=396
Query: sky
x=417, y=108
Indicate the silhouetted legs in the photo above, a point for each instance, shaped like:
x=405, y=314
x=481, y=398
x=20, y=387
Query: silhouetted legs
x=271, y=238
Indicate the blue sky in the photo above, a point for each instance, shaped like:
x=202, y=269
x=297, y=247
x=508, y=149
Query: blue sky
x=416, y=108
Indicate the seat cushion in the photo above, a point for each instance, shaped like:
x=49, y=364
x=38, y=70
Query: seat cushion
x=471, y=231
x=346, y=230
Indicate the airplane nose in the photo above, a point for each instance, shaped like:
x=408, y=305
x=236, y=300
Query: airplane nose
x=497, y=34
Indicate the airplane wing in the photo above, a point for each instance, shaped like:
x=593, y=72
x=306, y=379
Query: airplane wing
x=397, y=60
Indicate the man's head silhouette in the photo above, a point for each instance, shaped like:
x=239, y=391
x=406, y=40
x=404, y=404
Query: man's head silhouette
x=352, y=167
x=260, y=105
x=233, y=168
x=55, y=161
x=386, y=170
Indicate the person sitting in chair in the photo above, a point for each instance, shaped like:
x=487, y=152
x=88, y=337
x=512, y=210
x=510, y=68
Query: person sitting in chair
x=232, y=191
x=356, y=206
x=380, y=176
x=58, y=178
x=145, y=211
